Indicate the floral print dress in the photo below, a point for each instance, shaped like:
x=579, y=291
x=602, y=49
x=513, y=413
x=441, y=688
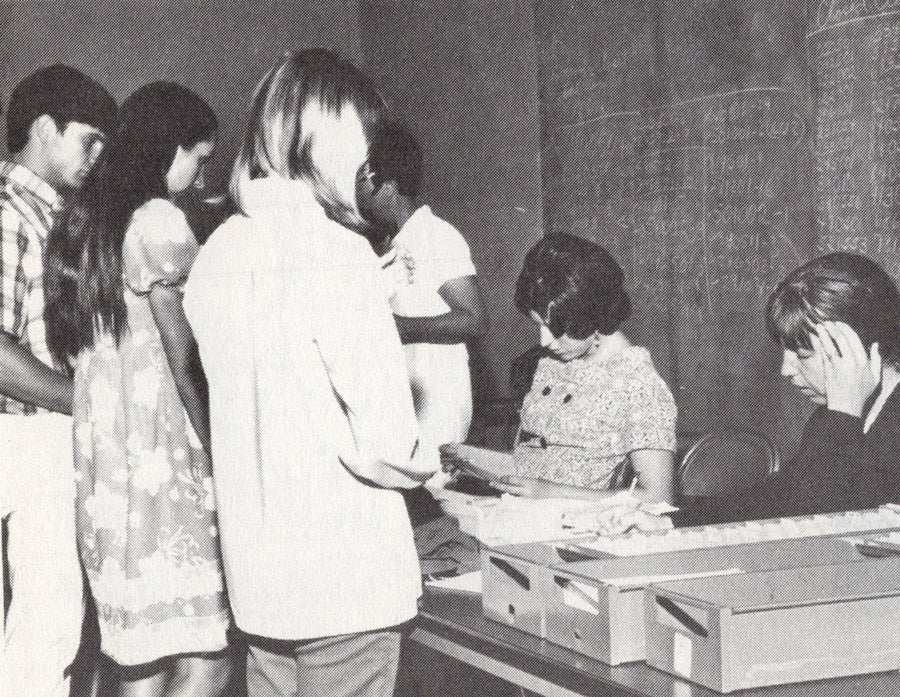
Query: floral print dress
x=147, y=526
x=581, y=419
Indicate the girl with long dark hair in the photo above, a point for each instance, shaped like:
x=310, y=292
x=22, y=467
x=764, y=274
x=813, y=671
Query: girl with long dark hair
x=147, y=525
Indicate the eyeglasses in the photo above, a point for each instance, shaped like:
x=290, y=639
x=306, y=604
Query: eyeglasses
x=365, y=172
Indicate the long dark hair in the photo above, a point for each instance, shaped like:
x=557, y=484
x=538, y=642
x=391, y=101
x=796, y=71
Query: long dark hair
x=84, y=287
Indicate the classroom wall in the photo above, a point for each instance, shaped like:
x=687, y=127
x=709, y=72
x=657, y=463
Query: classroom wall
x=713, y=146
x=466, y=89
x=219, y=49
x=463, y=75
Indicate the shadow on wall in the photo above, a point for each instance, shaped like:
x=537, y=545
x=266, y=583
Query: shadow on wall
x=469, y=93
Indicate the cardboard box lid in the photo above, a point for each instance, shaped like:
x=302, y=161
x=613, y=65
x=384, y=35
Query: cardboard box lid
x=745, y=532
x=784, y=588
x=637, y=572
x=547, y=553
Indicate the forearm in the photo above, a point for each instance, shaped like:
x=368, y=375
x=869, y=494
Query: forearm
x=25, y=379
x=182, y=356
x=195, y=405
x=449, y=328
x=832, y=435
x=711, y=511
x=406, y=472
x=584, y=493
x=821, y=477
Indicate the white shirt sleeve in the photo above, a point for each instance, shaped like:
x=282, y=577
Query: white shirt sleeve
x=449, y=255
x=359, y=345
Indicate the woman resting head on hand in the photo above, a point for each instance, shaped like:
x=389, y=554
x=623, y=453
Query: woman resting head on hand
x=837, y=321
x=597, y=412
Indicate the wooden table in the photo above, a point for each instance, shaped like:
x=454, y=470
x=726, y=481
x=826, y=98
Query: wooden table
x=452, y=624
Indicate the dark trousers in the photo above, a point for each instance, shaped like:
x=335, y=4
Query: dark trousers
x=349, y=665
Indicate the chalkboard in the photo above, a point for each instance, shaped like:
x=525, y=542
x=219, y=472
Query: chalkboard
x=856, y=57
x=713, y=146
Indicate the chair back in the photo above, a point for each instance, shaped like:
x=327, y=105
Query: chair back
x=726, y=461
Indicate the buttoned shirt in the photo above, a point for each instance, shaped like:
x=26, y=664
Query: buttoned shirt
x=28, y=205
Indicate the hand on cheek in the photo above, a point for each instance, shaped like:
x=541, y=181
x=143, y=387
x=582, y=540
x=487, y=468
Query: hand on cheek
x=850, y=374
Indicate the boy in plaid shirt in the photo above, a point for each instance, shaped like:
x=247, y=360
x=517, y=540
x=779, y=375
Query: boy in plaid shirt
x=56, y=125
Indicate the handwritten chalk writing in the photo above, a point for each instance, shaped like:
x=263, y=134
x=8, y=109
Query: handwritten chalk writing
x=887, y=244
x=857, y=132
x=834, y=13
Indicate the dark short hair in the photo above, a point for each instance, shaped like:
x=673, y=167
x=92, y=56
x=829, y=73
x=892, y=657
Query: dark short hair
x=395, y=155
x=574, y=285
x=839, y=287
x=62, y=93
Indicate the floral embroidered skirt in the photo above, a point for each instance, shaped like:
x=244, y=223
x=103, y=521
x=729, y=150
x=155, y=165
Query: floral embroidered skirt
x=147, y=530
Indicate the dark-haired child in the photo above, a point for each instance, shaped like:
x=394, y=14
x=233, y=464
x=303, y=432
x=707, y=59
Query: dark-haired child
x=431, y=286
x=147, y=523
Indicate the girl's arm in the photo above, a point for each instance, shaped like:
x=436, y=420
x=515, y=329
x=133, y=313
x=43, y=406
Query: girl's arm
x=181, y=352
x=654, y=472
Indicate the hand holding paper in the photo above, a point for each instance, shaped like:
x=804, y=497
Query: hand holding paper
x=621, y=519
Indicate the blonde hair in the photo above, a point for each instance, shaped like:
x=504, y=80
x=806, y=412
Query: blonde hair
x=310, y=118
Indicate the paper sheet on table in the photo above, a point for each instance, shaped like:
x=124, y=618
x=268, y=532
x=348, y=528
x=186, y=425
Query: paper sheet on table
x=470, y=582
x=513, y=519
x=641, y=581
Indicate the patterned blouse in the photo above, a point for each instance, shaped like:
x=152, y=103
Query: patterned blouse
x=581, y=419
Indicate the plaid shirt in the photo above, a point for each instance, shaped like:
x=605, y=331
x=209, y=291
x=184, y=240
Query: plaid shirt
x=27, y=207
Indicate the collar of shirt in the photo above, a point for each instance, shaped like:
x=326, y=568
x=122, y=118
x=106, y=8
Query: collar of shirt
x=423, y=211
x=277, y=197
x=41, y=192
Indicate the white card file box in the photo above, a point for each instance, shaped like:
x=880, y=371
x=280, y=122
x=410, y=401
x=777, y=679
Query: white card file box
x=597, y=607
x=885, y=517
x=517, y=578
x=772, y=627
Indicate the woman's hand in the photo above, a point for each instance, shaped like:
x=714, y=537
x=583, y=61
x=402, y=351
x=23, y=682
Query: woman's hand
x=850, y=374
x=450, y=459
x=621, y=519
x=529, y=487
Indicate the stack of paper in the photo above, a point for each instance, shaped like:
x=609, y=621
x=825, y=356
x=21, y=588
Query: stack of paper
x=512, y=519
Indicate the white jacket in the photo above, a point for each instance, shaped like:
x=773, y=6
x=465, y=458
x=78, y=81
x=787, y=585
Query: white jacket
x=312, y=418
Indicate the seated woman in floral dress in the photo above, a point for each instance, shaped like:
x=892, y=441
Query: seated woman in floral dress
x=597, y=414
